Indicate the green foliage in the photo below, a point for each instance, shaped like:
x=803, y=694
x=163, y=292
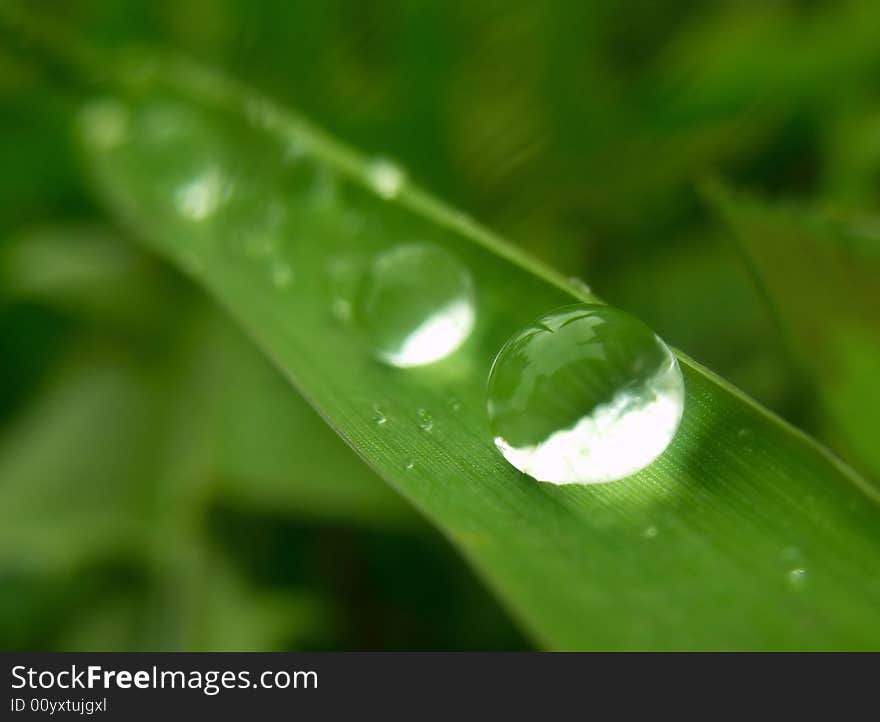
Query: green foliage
x=162, y=487
x=819, y=274
x=739, y=501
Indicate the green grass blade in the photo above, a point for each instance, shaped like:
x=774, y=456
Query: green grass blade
x=818, y=274
x=744, y=534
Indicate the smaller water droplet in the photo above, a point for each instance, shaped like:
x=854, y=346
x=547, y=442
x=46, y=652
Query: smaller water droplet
x=104, y=123
x=379, y=417
x=578, y=284
x=409, y=466
x=343, y=275
x=416, y=305
x=201, y=196
x=742, y=433
x=426, y=421
x=792, y=561
x=454, y=403
x=281, y=274
x=650, y=532
x=385, y=177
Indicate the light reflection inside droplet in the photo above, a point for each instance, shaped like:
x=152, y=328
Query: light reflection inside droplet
x=200, y=197
x=629, y=428
x=797, y=576
x=416, y=305
x=386, y=178
x=586, y=394
x=438, y=336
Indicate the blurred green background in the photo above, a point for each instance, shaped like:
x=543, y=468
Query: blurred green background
x=712, y=167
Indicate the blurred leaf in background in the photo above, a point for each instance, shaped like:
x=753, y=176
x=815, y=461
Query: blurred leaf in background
x=151, y=495
x=819, y=273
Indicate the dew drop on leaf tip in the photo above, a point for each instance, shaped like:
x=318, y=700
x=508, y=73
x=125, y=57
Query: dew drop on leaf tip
x=585, y=394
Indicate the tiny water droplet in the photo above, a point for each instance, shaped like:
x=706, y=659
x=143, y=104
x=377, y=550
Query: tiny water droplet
x=586, y=394
x=385, y=177
x=343, y=275
x=416, y=305
x=454, y=403
x=797, y=577
x=281, y=274
x=426, y=421
x=742, y=433
x=409, y=466
x=379, y=417
x=650, y=532
x=793, y=564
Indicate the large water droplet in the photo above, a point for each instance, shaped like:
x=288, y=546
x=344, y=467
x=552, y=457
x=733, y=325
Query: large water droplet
x=585, y=394
x=416, y=305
